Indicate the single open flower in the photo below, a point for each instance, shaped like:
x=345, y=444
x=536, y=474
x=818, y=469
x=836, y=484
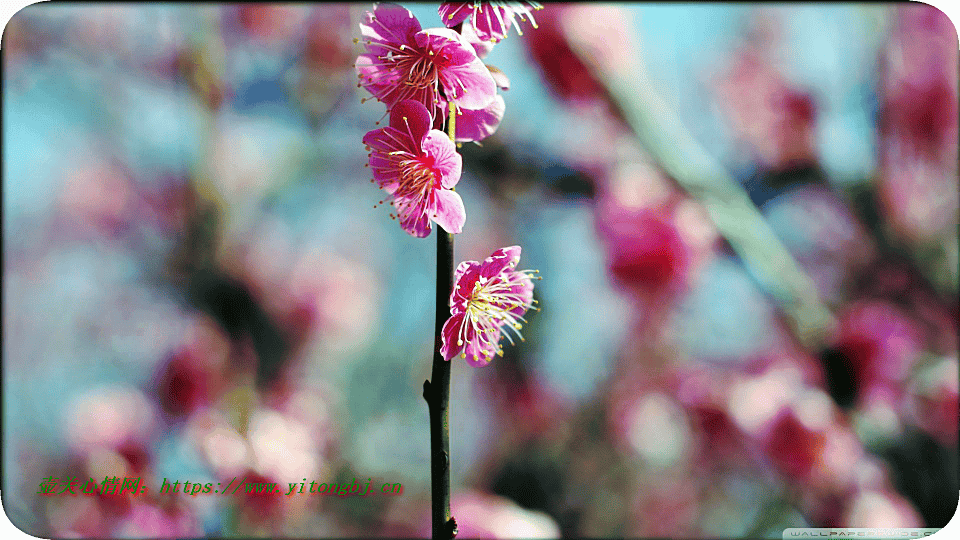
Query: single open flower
x=487, y=296
x=418, y=167
x=432, y=66
x=491, y=20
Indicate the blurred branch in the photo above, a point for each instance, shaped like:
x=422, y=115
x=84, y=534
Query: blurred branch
x=662, y=133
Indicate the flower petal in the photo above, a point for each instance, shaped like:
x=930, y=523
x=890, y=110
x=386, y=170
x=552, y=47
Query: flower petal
x=499, y=260
x=449, y=347
x=503, y=82
x=464, y=278
x=447, y=161
x=449, y=213
x=469, y=85
x=476, y=125
x=411, y=118
x=389, y=23
x=447, y=45
x=479, y=352
x=413, y=216
x=454, y=13
x=376, y=80
x=481, y=47
x=492, y=22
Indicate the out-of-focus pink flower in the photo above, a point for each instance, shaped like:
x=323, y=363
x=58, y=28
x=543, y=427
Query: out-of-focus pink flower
x=667, y=509
x=767, y=112
x=191, y=377
x=431, y=66
x=219, y=443
x=327, y=43
x=183, y=385
x=701, y=390
x=880, y=509
x=490, y=20
x=880, y=343
x=919, y=123
x=272, y=23
x=484, y=516
x=527, y=403
x=108, y=417
x=284, y=446
x=99, y=194
x=933, y=401
x=263, y=505
x=645, y=250
x=78, y=517
x=919, y=80
x=417, y=166
x=146, y=520
x=604, y=27
x=487, y=296
x=793, y=445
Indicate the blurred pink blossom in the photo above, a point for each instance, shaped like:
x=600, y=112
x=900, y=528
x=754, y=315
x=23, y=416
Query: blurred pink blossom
x=880, y=509
x=881, y=343
x=272, y=24
x=918, y=122
x=109, y=416
x=604, y=27
x=933, y=401
x=483, y=516
x=147, y=520
x=646, y=253
x=769, y=113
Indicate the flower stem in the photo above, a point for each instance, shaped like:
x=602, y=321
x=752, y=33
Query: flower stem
x=436, y=391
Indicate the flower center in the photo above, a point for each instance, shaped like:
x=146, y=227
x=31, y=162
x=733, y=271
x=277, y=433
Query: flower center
x=491, y=305
x=420, y=70
x=415, y=177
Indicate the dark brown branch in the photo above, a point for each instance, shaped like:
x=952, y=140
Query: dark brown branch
x=436, y=392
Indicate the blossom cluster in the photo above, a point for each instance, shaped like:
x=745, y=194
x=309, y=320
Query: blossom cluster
x=431, y=79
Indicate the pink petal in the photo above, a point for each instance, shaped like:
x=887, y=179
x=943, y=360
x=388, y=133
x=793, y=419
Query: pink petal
x=464, y=277
x=390, y=23
x=377, y=80
x=476, y=125
x=389, y=139
x=413, y=217
x=481, y=47
x=489, y=25
x=479, y=354
x=411, y=118
x=499, y=260
x=449, y=213
x=469, y=85
x=449, y=335
x=454, y=13
x=446, y=159
x=447, y=45
x=463, y=268
x=503, y=82
x=525, y=291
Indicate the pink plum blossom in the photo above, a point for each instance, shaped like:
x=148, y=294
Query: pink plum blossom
x=418, y=166
x=430, y=66
x=487, y=296
x=491, y=21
